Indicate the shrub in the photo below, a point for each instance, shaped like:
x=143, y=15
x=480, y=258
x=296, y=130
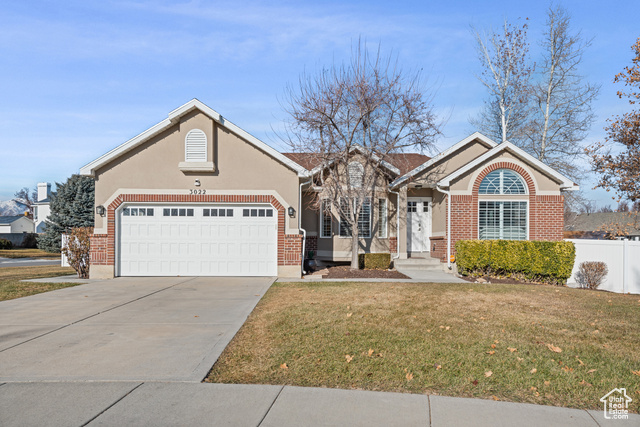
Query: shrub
x=30, y=241
x=374, y=261
x=591, y=274
x=5, y=244
x=543, y=261
x=76, y=250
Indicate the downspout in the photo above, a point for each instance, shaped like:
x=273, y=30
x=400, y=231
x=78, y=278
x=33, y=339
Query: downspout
x=304, y=232
x=397, y=224
x=448, y=193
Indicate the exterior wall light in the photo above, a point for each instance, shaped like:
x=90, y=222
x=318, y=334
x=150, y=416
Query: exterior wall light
x=100, y=210
x=292, y=212
x=197, y=183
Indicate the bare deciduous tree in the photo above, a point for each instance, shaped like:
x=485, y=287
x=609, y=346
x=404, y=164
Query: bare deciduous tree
x=27, y=198
x=562, y=115
x=352, y=117
x=621, y=172
x=505, y=73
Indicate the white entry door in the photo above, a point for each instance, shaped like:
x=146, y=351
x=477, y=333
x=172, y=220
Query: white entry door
x=418, y=224
x=198, y=240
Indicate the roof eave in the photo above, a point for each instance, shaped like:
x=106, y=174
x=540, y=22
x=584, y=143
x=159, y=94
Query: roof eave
x=174, y=116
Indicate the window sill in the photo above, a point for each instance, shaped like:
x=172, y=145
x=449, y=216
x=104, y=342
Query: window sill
x=196, y=167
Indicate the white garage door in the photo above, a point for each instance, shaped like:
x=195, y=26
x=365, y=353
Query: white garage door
x=198, y=240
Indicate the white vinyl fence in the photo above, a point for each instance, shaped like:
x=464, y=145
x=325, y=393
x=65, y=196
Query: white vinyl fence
x=622, y=258
x=63, y=258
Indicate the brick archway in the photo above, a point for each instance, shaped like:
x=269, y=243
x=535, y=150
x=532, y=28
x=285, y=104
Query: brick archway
x=531, y=188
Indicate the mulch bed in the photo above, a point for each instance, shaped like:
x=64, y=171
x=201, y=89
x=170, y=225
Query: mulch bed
x=345, y=272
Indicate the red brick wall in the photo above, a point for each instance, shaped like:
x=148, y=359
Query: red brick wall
x=546, y=219
x=103, y=245
x=100, y=250
x=311, y=245
x=439, y=248
x=393, y=245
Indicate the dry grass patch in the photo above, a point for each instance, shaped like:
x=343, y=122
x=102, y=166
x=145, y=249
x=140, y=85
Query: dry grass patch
x=27, y=253
x=11, y=286
x=490, y=341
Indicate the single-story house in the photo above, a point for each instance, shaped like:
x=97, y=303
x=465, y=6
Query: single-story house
x=41, y=208
x=604, y=225
x=15, y=224
x=197, y=195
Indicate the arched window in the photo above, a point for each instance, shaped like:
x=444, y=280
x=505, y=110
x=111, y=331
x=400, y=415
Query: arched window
x=195, y=146
x=501, y=217
x=356, y=174
x=502, y=181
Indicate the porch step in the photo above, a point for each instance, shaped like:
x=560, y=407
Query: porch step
x=418, y=264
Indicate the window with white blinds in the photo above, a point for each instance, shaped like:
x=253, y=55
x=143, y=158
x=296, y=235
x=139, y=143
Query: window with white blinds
x=195, y=144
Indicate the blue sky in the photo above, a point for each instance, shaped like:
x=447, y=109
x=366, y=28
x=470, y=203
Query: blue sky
x=78, y=78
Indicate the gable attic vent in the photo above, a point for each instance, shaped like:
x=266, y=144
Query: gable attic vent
x=195, y=146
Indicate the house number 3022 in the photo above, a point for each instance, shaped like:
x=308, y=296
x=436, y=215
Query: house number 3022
x=198, y=191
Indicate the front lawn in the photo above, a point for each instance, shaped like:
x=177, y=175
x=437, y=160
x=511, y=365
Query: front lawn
x=11, y=286
x=27, y=253
x=522, y=343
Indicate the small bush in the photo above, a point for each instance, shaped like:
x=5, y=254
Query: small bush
x=5, y=244
x=591, y=274
x=374, y=261
x=77, y=248
x=30, y=241
x=542, y=261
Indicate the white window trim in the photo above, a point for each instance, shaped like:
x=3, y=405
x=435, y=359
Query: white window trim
x=323, y=212
x=370, y=220
x=360, y=168
x=522, y=180
x=504, y=200
x=381, y=234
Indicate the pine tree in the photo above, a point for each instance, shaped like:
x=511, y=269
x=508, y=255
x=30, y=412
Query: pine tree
x=71, y=206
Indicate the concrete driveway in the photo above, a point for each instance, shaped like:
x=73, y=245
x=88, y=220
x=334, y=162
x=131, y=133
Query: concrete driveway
x=125, y=329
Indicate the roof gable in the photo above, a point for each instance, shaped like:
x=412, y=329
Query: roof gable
x=476, y=136
x=565, y=183
x=173, y=118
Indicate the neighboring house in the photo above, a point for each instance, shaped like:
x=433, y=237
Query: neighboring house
x=41, y=208
x=604, y=225
x=197, y=195
x=15, y=224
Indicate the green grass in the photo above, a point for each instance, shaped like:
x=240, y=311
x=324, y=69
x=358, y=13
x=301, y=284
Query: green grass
x=11, y=286
x=27, y=253
x=438, y=339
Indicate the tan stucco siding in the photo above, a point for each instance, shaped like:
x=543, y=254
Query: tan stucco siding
x=339, y=248
x=310, y=218
x=450, y=163
x=239, y=166
x=543, y=183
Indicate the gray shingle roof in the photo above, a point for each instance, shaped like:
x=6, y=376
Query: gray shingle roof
x=9, y=219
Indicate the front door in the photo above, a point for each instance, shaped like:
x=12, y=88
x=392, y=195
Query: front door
x=418, y=224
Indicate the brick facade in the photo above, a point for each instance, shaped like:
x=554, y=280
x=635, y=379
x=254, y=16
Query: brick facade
x=393, y=245
x=438, y=248
x=103, y=245
x=546, y=212
x=311, y=245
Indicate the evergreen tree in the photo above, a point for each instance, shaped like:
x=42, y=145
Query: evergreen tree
x=71, y=206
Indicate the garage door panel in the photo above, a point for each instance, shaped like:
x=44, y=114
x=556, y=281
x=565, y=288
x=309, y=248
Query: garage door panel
x=225, y=242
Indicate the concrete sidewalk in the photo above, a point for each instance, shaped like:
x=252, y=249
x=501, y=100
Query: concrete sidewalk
x=201, y=404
